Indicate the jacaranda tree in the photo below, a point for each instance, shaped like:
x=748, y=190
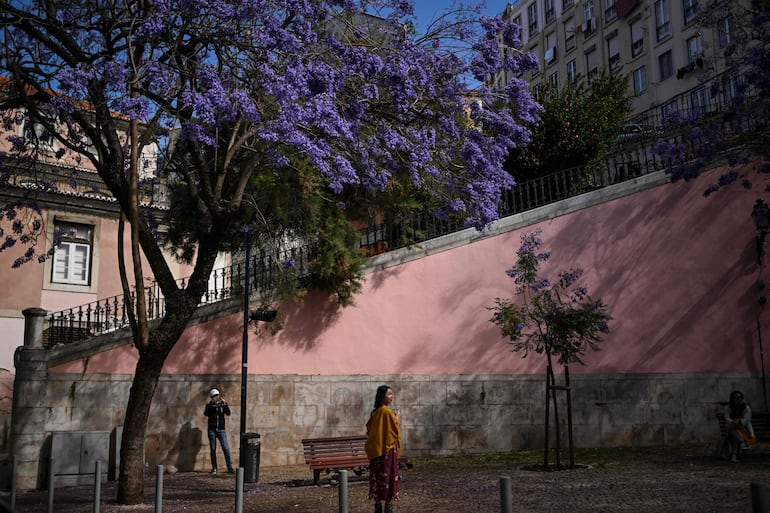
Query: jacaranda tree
x=316, y=102
x=733, y=124
x=555, y=318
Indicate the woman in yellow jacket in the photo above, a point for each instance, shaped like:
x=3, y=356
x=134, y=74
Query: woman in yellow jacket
x=383, y=447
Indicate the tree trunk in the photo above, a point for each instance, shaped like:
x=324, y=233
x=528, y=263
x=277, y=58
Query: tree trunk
x=148, y=370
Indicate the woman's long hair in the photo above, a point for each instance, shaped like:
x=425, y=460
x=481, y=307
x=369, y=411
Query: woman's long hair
x=736, y=411
x=380, y=396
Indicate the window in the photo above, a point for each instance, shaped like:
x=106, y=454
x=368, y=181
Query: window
x=535, y=51
x=637, y=38
x=662, y=20
x=588, y=15
x=690, y=10
x=550, y=48
x=613, y=50
x=572, y=71
x=592, y=64
x=532, y=17
x=667, y=109
x=553, y=79
x=609, y=11
x=665, y=65
x=566, y=4
x=640, y=80
x=694, y=48
x=550, y=10
x=72, y=257
x=569, y=34
x=724, y=26
x=699, y=100
x=36, y=135
x=728, y=90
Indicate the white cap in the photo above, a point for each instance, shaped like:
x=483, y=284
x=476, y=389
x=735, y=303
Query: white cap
x=214, y=392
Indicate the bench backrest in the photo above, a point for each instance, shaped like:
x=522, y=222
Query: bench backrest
x=335, y=450
x=760, y=421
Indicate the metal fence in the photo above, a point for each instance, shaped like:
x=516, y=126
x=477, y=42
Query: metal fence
x=268, y=268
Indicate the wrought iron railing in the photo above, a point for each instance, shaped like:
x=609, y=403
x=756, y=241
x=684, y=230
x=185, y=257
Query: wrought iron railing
x=267, y=268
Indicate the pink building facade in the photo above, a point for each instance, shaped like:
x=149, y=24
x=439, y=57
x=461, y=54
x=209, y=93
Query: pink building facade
x=679, y=272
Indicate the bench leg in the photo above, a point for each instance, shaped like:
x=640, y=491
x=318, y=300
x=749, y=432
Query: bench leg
x=316, y=476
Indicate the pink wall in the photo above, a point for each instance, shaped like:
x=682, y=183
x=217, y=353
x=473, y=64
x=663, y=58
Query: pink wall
x=677, y=270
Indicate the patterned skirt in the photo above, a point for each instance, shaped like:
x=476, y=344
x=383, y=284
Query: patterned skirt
x=383, y=477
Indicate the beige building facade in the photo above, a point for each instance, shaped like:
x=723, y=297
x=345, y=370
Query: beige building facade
x=670, y=59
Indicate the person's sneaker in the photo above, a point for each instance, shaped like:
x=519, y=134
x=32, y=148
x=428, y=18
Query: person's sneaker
x=734, y=458
x=745, y=446
x=230, y=471
x=213, y=471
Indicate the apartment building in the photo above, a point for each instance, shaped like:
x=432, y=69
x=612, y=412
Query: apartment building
x=669, y=58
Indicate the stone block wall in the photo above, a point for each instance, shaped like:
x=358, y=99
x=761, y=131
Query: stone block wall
x=441, y=415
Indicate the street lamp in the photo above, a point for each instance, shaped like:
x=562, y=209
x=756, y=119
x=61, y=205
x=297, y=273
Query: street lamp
x=256, y=315
x=760, y=214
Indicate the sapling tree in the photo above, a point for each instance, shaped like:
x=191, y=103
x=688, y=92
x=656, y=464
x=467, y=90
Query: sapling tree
x=286, y=118
x=555, y=318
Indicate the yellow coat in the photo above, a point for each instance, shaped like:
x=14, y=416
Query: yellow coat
x=384, y=433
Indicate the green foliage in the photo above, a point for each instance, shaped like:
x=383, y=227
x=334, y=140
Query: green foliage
x=338, y=267
x=556, y=318
x=578, y=125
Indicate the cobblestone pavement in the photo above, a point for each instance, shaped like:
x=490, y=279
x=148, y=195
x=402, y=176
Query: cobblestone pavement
x=680, y=479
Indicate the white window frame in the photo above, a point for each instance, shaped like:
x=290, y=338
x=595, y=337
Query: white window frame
x=690, y=11
x=640, y=80
x=670, y=69
x=569, y=35
x=532, y=22
x=694, y=48
x=592, y=64
x=610, y=11
x=699, y=100
x=637, y=37
x=662, y=20
x=613, y=52
x=549, y=8
x=32, y=132
x=74, y=254
x=725, y=31
x=572, y=71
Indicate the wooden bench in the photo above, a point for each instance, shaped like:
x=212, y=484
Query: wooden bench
x=333, y=453
x=339, y=452
x=760, y=421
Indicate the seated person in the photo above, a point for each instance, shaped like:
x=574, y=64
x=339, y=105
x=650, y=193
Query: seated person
x=740, y=434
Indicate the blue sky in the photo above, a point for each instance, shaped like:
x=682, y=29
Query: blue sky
x=428, y=10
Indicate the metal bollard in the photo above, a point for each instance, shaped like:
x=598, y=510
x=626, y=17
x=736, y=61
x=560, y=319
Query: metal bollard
x=343, y=491
x=759, y=498
x=506, y=501
x=51, y=485
x=159, y=490
x=97, y=484
x=14, y=471
x=239, y=490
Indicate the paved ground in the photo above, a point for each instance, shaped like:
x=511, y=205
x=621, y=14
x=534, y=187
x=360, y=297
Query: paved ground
x=679, y=479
